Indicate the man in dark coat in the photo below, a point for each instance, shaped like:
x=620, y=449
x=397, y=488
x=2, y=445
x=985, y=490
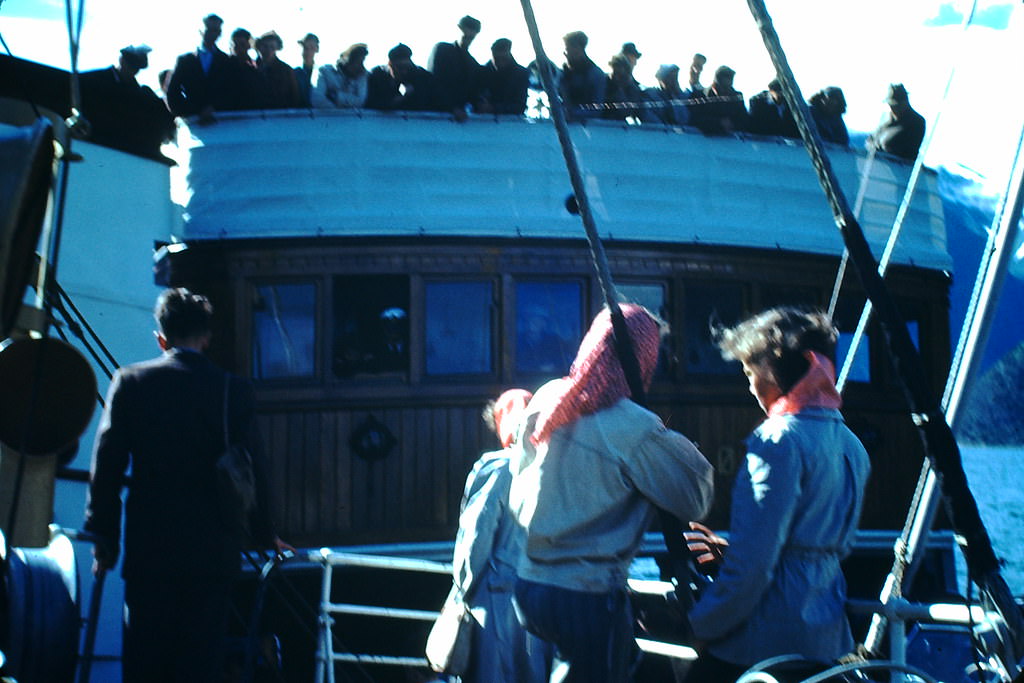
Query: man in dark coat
x=122, y=113
x=304, y=74
x=902, y=132
x=200, y=83
x=721, y=110
x=166, y=419
x=504, y=82
x=456, y=72
x=279, y=87
x=770, y=114
x=401, y=85
x=583, y=82
x=246, y=81
x=827, y=108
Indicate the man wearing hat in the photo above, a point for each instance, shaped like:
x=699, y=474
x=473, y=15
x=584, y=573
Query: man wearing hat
x=456, y=72
x=722, y=110
x=671, y=108
x=304, y=74
x=583, y=82
x=401, y=85
x=121, y=113
x=504, y=82
x=200, y=83
x=770, y=114
x=630, y=52
x=902, y=132
x=622, y=92
x=342, y=85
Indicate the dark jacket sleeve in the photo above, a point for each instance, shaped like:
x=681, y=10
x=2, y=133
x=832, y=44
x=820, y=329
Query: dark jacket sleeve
x=244, y=430
x=109, y=463
x=176, y=100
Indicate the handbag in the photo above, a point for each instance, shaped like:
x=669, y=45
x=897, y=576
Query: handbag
x=236, y=480
x=450, y=639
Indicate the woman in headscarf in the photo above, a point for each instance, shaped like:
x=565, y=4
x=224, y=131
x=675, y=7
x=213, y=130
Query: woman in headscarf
x=591, y=468
x=795, y=506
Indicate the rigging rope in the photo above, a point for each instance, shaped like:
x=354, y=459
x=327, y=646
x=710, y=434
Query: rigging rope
x=904, y=208
x=671, y=527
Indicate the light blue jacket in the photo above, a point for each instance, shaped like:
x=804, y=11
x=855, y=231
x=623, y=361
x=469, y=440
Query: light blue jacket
x=587, y=496
x=795, y=508
x=487, y=548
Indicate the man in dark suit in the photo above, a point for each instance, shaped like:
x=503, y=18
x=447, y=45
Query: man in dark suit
x=201, y=82
x=503, y=82
x=166, y=418
x=456, y=72
x=401, y=85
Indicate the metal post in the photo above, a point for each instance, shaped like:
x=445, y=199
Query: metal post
x=325, y=651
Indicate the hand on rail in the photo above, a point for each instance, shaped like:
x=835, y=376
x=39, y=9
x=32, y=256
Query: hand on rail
x=707, y=547
x=281, y=547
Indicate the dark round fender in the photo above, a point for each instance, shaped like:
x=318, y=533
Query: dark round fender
x=42, y=618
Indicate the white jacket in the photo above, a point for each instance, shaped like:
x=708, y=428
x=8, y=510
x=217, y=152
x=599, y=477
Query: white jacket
x=335, y=90
x=587, y=496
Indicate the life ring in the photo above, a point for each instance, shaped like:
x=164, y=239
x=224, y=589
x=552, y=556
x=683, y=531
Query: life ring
x=48, y=398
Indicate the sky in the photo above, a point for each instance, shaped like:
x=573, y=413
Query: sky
x=860, y=46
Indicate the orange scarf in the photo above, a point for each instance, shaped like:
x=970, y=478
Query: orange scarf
x=816, y=388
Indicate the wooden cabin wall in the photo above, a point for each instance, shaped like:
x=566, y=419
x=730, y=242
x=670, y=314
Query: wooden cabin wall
x=325, y=494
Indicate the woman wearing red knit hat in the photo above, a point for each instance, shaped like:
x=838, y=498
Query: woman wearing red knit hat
x=589, y=471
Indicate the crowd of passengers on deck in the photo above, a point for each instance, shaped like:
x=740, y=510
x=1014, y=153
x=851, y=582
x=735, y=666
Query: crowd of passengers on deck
x=209, y=80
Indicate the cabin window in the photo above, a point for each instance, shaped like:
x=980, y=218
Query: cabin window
x=846, y=319
x=549, y=326
x=721, y=304
x=651, y=295
x=371, y=326
x=789, y=295
x=860, y=370
x=283, y=340
x=458, y=328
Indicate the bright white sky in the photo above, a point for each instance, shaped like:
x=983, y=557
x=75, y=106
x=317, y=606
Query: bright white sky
x=860, y=46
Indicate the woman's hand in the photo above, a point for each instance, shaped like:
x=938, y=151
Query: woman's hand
x=282, y=547
x=707, y=546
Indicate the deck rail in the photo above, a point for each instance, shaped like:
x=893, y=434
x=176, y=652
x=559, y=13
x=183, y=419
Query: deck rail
x=330, y=560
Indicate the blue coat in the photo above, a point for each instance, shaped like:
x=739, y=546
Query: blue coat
x=487, y=548
x=795, y=509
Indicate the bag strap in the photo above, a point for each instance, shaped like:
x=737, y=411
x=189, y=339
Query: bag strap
x=227, y=386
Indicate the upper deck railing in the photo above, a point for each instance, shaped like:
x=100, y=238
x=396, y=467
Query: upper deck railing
x=336, y=173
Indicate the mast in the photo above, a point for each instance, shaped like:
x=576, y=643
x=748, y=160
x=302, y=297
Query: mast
x=940, y=445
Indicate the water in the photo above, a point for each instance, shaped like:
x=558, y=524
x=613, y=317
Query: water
x=995, y=475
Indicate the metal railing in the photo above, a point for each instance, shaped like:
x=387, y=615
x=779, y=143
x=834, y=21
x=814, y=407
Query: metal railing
x=326, y=657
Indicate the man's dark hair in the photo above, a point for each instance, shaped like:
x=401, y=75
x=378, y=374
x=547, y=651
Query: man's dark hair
x=241, y=32
x=468, y=23
x=400, y=51
x=183, y=315
x=774, y=342
x=576, y=38
x=501, y=45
